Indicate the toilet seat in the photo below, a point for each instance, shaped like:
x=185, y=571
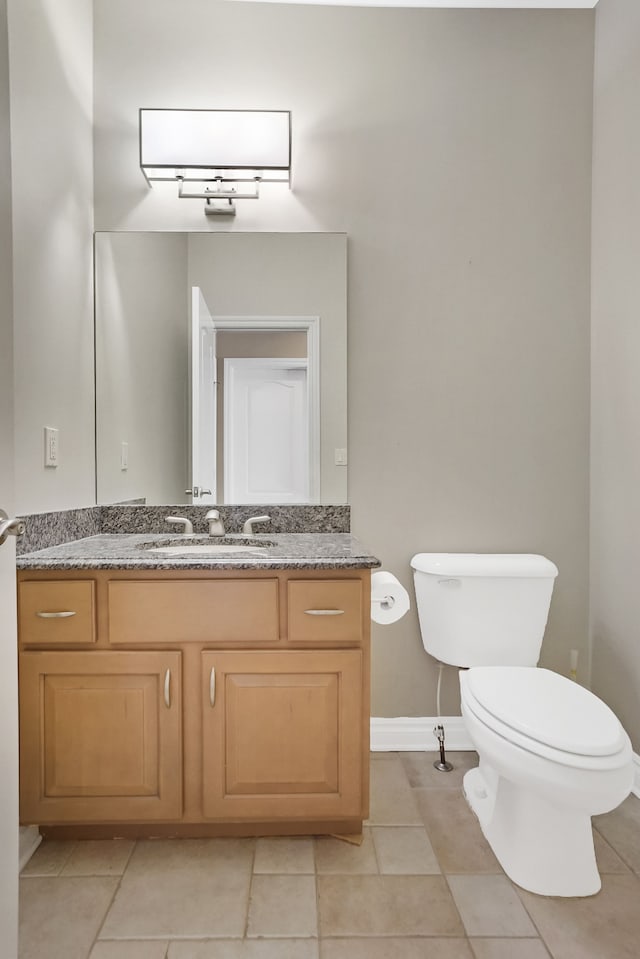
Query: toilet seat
x=546, y=714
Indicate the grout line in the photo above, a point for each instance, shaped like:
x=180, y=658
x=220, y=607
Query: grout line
x=250, y=890
x=375, y=851
x=317, y=898
x=113, y=898
x=533, y=922
x=314, y=840
x=618, y=853
x=455, y=906
x=66, y=861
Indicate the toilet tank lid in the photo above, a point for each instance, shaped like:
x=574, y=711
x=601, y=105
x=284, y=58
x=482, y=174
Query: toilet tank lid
x=485, y=564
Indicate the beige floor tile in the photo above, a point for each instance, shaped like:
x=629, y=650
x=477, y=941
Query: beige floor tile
x=157, y=949
x=245, y=949
x=60, y=918
x=386, y=906
x=606, y=926
x=183, y=888
x=49, y=858
x=100, y=857
x=282, y=907
x=340, y=857
x=509, y=949
x=455, y=833
x=284, y=855
x=404, y=948
x=621, y=829
x=489, y=906
x=607, y=858
x=392, y=801
x=422, y=774
x=404, y=851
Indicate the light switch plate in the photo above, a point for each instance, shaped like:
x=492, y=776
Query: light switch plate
x=51, y=451
x=340, y=457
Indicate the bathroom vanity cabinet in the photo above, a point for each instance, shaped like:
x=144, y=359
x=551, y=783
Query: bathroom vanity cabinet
x=194, y=702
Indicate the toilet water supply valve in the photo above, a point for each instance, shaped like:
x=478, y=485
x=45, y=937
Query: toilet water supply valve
x=441, y=764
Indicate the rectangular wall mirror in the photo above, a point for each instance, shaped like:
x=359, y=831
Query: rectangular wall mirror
x=221, y=367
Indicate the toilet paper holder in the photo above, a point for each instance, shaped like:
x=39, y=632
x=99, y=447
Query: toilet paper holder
x=386, y=602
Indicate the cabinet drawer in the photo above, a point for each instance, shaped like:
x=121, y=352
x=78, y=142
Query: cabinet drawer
x=206, y=611
x=325, y=611
x=59, y=612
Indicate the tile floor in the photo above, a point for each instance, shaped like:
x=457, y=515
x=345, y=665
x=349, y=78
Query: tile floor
x=423, y=885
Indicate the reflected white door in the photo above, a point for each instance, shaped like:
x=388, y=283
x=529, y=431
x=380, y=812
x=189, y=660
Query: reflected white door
x=203, y=401
x=266, y=431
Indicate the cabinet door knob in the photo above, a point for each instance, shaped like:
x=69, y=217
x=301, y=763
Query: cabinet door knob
x=62, y=615
x=212, y=686
x=324, y=612
x=167, y=689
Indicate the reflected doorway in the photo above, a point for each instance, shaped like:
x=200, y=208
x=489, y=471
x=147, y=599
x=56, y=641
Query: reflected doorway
x=266, y=430
x=255, y=408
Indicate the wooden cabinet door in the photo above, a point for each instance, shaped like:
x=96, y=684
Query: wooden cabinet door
x=282, y=734
x=100, y=736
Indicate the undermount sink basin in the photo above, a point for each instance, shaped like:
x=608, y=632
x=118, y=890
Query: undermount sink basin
x=209, y=546
x=204, y=550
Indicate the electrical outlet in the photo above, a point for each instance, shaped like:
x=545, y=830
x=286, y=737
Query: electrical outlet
x=124, y=456
x=51, y=452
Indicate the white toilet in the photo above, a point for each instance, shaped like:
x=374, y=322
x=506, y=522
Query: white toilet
x=551, y=753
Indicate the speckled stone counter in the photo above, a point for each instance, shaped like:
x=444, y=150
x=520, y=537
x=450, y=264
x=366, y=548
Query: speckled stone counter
x=62, y=526
x=132, y=551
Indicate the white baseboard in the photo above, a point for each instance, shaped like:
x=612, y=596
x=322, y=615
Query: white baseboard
x=415, y=734
x=635, y=789
x=30, y=839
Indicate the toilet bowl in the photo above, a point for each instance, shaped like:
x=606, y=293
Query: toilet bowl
x=551, y=756
x=551, y=753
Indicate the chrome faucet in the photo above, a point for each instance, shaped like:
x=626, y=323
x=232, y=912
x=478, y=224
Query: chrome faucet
x=216, y=526
x=247, y=529
x=180, y=521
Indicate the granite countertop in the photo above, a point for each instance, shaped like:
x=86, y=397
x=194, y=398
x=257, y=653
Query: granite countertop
x=132, y=551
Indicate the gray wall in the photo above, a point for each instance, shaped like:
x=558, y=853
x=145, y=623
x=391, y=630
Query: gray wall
x=51, y=54
x=468, y=285
x=615, y=442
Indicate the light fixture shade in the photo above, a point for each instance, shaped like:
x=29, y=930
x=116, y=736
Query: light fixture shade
x=193, y=145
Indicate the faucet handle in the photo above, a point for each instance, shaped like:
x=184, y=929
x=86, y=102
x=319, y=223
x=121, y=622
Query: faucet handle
x=247, y=529
x=180, y=521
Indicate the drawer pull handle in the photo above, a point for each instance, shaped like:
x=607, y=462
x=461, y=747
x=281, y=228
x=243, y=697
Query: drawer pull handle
x=62, y=615
x=212, y=686
x=324, y=612
x=167, y=689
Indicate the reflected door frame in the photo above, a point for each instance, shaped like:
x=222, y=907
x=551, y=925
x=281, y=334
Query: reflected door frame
x=280, y=324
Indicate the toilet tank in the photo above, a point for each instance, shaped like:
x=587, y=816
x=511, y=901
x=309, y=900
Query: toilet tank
x=483, y=609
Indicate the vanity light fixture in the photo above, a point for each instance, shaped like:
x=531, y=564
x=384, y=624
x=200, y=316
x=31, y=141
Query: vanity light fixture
x=216, y=155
